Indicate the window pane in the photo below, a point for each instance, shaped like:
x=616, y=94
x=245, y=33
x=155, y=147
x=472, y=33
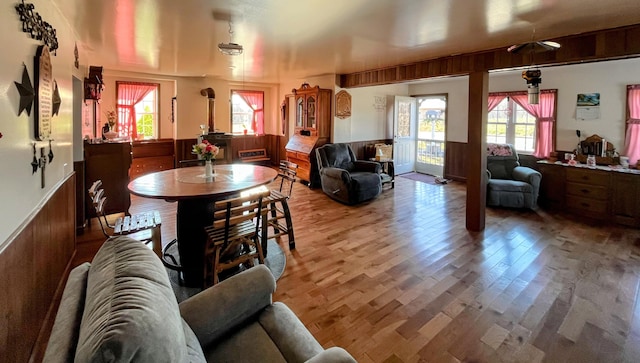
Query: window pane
x=241, y=112
x=510, y=123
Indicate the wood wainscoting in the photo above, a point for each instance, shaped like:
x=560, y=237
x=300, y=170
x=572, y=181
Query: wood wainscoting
x=274, y=144
x=34, y=267
x=455, y=165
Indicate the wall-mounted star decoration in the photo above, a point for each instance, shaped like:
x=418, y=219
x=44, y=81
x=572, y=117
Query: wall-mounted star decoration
x=27, y=93
x=56, y=100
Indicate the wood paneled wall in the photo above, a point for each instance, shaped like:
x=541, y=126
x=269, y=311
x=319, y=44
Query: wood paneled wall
x=274, y=145
x=456, y=161
x=599, y=45
x=360, y=148
x=33, y=266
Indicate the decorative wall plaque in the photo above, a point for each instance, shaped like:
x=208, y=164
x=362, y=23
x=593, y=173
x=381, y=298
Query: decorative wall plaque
x=343, y=104
x=43, y=80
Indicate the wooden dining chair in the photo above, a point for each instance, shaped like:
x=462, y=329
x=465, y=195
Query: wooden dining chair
x=234, y=238
x=278, y=213
x=126, y=225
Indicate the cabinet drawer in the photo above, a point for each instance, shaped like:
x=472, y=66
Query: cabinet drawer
x=598, y=192
x=588, y=176
x=587, y=205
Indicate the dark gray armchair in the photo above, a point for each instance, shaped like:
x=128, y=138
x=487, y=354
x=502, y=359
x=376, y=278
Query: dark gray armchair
x=344, y=178
x=509, y=184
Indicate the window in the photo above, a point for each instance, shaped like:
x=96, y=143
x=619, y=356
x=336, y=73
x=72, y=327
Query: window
x=137, y=108
x=529, y=127
x=509, y=123
x=146, y=116
x=247, y=112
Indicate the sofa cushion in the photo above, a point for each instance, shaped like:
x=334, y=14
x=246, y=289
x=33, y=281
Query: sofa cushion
x=250, y=343
x=130, y=312
x=64, y=335
x=509, y=186
x=291, y=337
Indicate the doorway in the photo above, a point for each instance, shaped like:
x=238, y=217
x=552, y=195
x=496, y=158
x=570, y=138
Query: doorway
x=431, y=134
x=404, y=134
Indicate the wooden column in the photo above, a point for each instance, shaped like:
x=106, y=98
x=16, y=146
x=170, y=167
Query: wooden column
x=476, y=150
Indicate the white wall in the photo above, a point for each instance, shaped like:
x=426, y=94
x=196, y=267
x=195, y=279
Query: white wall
x=366, y=122
x=607, y=78
x=457, y=90
x=20, y=191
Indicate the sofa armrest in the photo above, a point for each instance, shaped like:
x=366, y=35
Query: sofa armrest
x=528, y=175
x=368, y=166
x=333, y=354
x=337, y=173
x=215, y=311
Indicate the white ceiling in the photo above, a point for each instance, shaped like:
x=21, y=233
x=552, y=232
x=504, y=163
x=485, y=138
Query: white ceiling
x=285, y=39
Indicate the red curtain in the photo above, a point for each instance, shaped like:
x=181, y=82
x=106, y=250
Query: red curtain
x=255, y=100
x=494, y=100
x=632, y=137
x=129, y=94
x=544, y=112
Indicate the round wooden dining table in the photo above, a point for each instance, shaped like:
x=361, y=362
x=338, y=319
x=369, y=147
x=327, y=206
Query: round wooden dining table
x=195, y=195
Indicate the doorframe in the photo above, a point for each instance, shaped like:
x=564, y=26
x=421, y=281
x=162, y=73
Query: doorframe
x=446, y=126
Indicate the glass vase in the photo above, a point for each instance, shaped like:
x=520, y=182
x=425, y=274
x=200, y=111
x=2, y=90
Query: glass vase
x=208, y=169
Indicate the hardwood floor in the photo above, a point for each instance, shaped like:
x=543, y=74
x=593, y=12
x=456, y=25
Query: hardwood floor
x=400, y=279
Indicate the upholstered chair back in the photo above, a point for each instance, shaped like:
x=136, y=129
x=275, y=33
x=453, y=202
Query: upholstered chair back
x=501, y=160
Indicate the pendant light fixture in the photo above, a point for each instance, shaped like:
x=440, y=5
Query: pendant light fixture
x=230, y=48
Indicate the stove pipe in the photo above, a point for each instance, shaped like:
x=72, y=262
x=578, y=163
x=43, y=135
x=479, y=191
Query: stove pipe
x=211, y=106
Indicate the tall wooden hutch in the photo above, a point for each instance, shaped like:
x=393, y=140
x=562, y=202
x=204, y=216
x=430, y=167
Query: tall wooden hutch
x=312, y=129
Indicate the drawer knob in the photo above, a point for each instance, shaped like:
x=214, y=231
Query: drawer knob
x=584, y=191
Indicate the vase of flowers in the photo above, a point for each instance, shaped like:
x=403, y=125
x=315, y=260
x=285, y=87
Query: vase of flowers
x=207, y=151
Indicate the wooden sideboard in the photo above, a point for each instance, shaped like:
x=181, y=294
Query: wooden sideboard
x=150, y=156
x=600, y=193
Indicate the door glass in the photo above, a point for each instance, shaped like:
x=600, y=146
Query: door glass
x=431, y=134
x=299, y=112
x=311, y=112
x=404, y=119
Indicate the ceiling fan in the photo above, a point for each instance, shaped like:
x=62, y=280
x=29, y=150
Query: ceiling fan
x=534, y=47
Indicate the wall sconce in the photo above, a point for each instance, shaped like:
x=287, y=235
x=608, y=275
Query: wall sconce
x=533, y=78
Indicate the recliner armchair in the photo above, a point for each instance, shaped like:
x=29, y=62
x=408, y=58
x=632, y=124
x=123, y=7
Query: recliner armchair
x=509, y=184
x=344, y=178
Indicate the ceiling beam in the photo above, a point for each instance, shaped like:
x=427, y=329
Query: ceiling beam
x=587, y=47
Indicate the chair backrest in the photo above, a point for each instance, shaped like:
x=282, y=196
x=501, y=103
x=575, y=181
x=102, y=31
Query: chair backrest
x=98, y=199
x=231, y=212
x=287, y=175
x=335, y=155
x=501, y=160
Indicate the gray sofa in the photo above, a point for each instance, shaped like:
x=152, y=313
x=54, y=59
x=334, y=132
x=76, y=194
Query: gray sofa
x=121, y=308
x=346, y=179
x=509, y=184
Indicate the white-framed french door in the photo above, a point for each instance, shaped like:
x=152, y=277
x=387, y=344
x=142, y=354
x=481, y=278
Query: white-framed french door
x=430, y=143
x=404, y=134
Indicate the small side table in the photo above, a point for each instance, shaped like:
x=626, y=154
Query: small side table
x=388, y=175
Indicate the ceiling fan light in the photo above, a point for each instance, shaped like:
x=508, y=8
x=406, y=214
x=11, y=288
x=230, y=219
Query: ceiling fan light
x=533, y=93
x=230, y=48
